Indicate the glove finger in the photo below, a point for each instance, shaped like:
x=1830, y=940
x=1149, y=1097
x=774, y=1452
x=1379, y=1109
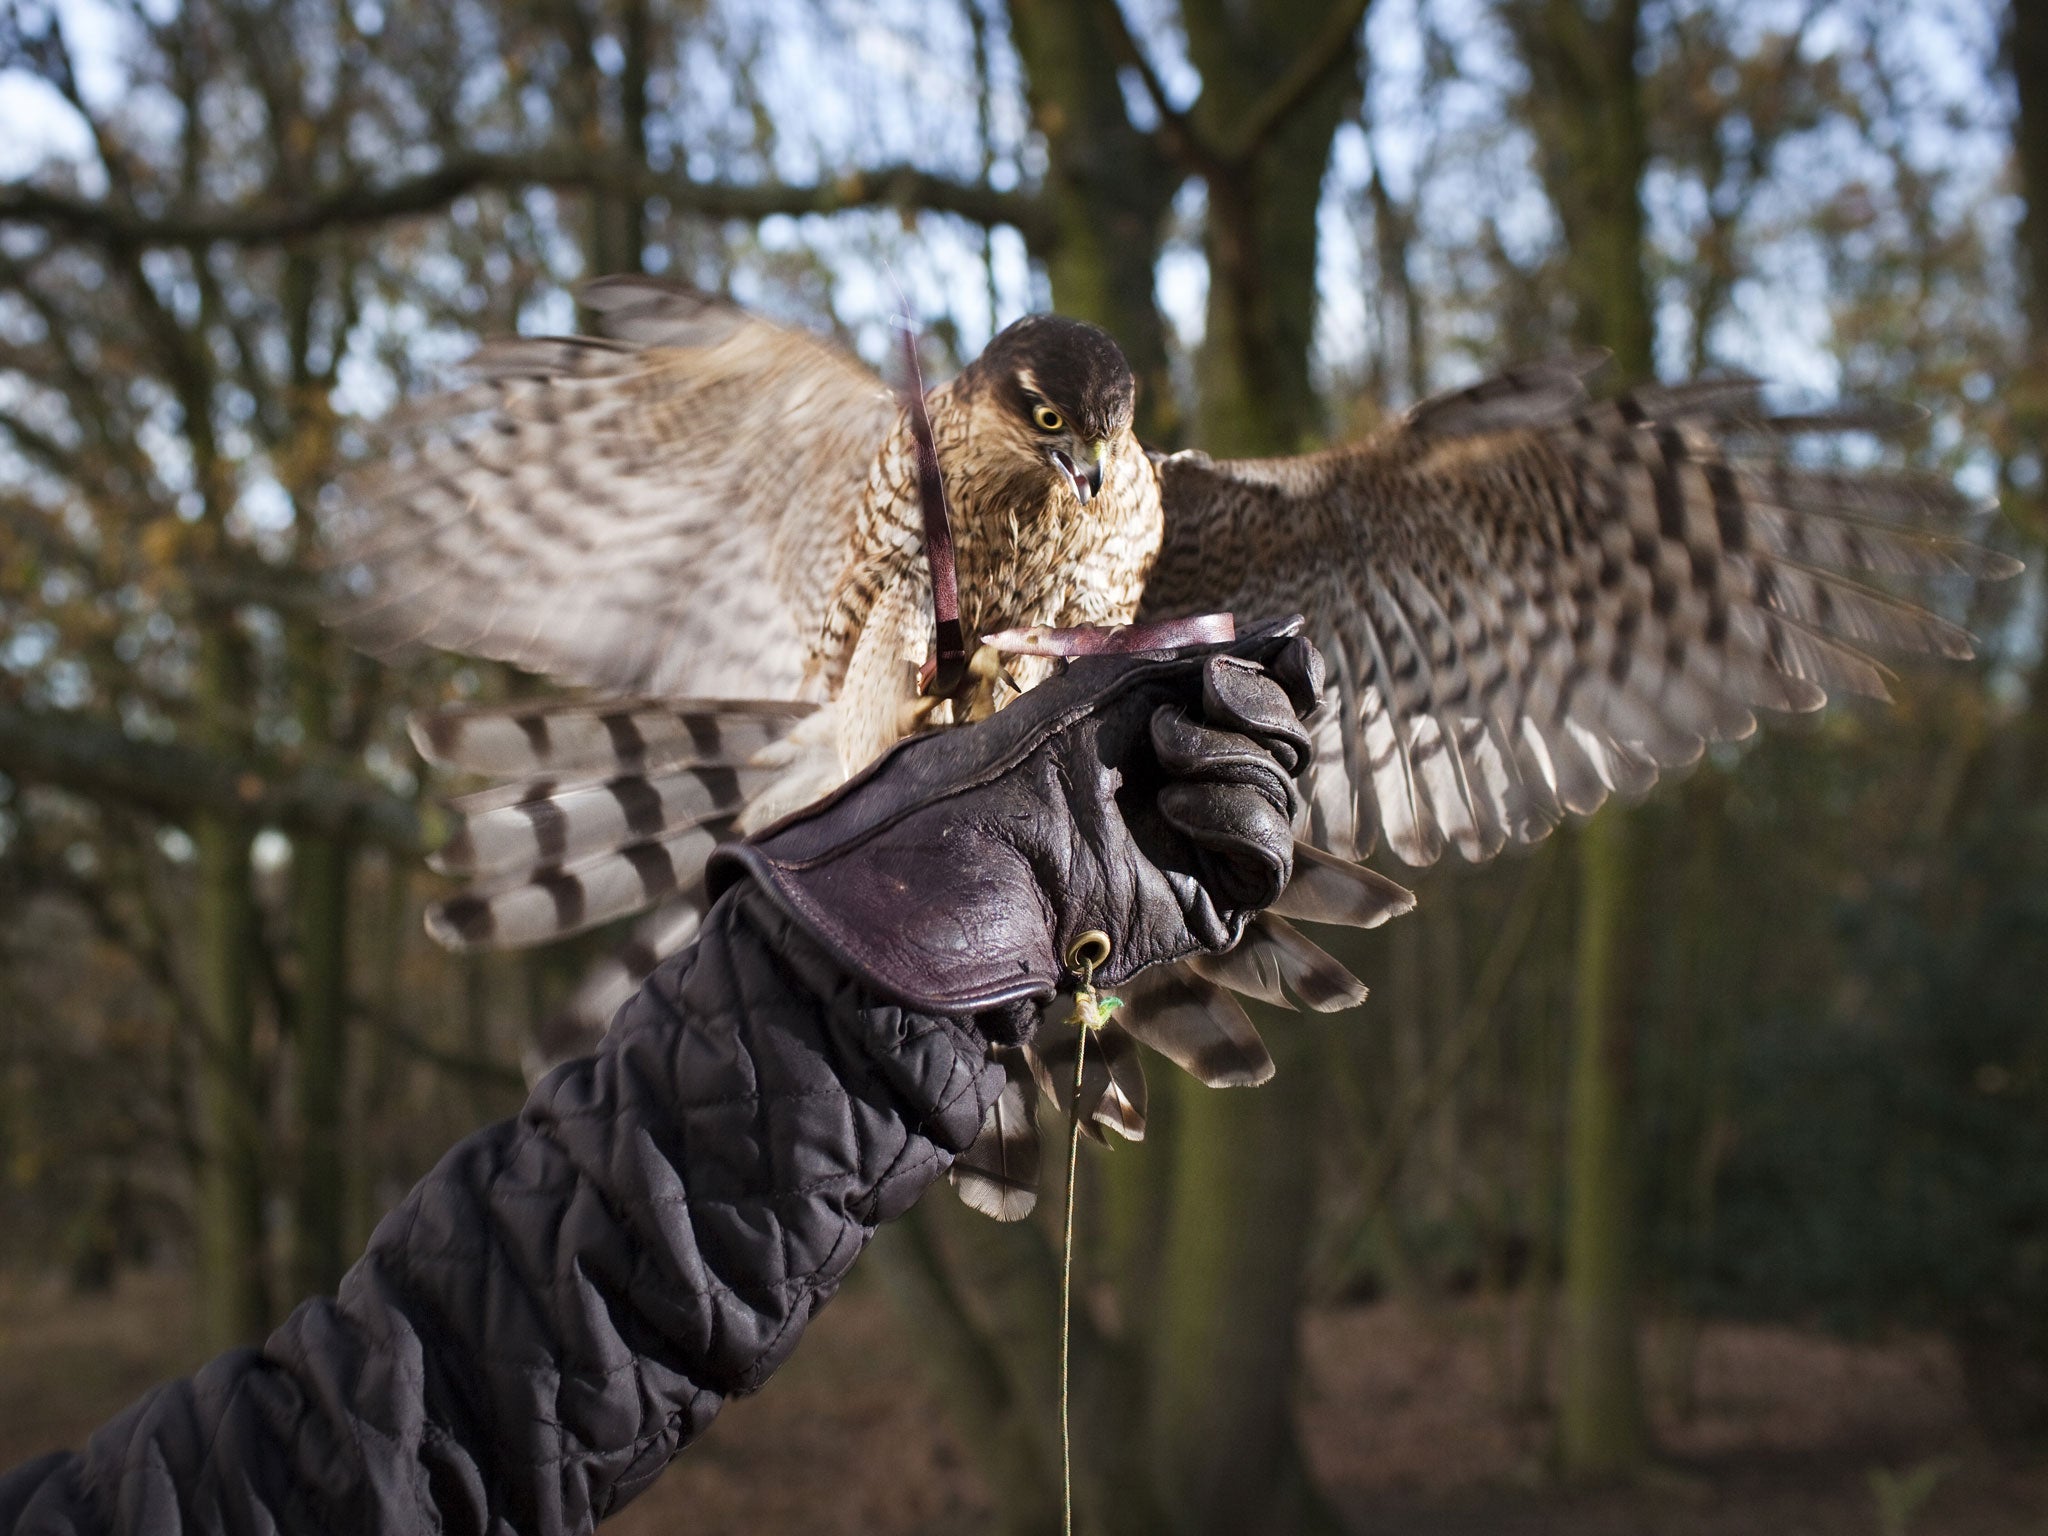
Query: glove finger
x=1297, y=666
x=1237, y=696
x=1189, y=750
x=1246, y=846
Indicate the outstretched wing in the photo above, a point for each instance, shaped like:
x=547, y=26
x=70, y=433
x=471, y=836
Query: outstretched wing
x=659, y=513
x=1530, y=600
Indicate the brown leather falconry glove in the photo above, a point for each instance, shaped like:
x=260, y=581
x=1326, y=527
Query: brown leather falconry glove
x=1149, y=796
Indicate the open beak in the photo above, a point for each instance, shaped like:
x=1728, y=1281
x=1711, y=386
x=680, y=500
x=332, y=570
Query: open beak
x=1086, y=477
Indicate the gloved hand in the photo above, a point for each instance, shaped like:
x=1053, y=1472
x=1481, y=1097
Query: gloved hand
x=1150, y=797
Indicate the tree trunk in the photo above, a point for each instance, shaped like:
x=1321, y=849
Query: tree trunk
x=1000, y=1423
x=2027, y=44
x=1253, y=370
x=1601, y=1427
x=619, y=224
x=1109, y=189
x=234, y=1297
x=391, y=923
x=1541, y=1092
x=320, y=1055
x=320, y=882
x=1585, y=108
x=2027, y=55
x=2004, y=1363
x=1222, y=1444
x=1223, y=1452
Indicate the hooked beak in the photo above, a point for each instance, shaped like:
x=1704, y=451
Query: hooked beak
x=1085, y=478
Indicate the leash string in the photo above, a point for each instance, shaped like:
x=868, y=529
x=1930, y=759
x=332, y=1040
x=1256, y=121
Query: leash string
x=1067, y=1296
x=1091, y=1012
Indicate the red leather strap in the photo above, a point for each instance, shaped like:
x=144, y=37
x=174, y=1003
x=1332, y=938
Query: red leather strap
x=942, y=676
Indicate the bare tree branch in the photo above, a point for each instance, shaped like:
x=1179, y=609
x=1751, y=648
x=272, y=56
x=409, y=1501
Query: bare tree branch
x=48, y=53
x=1180, y=136
x=1331, y=47
x=359, y=205
x=146, y=939
x=1336, y=44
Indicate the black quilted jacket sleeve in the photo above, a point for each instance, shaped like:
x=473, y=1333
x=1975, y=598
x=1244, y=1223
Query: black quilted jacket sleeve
x=565, y=1301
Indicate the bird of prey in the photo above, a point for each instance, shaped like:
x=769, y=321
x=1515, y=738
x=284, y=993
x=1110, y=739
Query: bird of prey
x=1528, y=598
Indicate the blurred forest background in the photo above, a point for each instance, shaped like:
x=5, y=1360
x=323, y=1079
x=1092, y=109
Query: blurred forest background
x=1702, y=1151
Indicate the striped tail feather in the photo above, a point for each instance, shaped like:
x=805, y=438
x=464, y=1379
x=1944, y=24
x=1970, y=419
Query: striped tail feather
x=998, y=1174
x=1277, y=964
x=555, y=900
x=548, y=822
x=609, y=806
x=1197, y=1025
x=1112, y=1096
x=1189, y=1013
x=579, y=739
x=1328, y=889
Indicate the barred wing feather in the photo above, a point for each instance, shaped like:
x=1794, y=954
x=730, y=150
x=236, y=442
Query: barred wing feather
x=1530, y=600
x=657, y=512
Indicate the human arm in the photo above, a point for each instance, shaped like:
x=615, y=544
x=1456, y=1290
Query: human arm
x=568, y=1298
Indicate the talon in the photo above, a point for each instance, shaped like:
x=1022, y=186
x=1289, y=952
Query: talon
x=915, y=715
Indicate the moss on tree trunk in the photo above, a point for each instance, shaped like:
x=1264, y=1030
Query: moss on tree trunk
x=1601, y=1425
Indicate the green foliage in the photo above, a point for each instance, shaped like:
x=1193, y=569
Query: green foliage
x=1885, y=1141
x=1900, y=1496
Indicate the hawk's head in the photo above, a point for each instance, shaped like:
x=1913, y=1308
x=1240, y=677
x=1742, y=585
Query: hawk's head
x=1066, y=393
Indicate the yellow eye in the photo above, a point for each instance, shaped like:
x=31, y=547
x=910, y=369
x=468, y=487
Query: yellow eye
x=1048, y=419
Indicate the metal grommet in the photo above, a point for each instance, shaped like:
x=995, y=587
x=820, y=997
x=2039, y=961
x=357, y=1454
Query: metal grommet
x=1088, y=951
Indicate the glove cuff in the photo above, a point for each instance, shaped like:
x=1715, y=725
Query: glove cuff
x=957, y=941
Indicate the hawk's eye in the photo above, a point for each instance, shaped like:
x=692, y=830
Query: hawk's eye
x=1046, y=418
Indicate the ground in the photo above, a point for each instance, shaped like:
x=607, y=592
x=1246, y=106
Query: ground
x=1793, y=1434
